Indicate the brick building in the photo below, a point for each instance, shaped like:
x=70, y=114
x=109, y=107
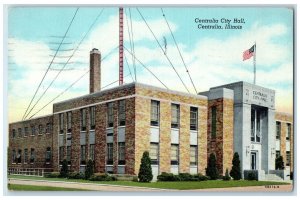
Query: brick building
x=114, y=127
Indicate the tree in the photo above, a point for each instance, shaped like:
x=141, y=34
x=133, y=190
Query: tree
x=64, y=170
x=145, y=172
x=279, y=164
x=226, y=177
x=89, y=171
x=235, y=172
x=211, y=169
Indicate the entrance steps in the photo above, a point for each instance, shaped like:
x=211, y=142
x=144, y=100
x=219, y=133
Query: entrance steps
x=272, y=177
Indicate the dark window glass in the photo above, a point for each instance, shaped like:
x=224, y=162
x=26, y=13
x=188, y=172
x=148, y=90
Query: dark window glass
x=61, y=123
x=278, y=130
x=82, y=155
x=14, y=133
x=109, y=154
x=193, y=118
x=288, y=158
x=61, y=154
x=32, y=155
x=26, y=132
x=288, y=131
x=121, y=153
x=69, y=154
x=14, y=156
x=69, y=122
x=92, y=152
x=83, y=119
x=19, y=132
x=110, y=115
x=19, y=156
x=41, y=129
x=92, y=117
x=32, y=130
x=154, y=113
x=175, y=116
x=25, y=155
x=48, y=155
x=122, y=113
x=49, y=128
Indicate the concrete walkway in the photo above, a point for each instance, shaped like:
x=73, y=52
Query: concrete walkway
x=120, y=188
x=85, y=186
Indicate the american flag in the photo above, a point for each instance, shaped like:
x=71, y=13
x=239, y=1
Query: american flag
x=249, y=53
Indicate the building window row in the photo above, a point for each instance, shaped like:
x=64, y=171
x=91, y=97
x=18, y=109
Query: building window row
x=40, y=130
x=29, y=157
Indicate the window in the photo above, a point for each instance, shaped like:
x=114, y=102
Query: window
x=174, y=154
x=213, y=122
x=32, y=131
x=278, y=130
x=26, y=132
x=255, y=125
x=288, y=131
x=175, y=116
x=25, y=156
x=83, y=119
x=48, y=155
x=154, y=153
x=32, y=155
x=193, y=118
x=82, y=154
x=288, y=158
x=154, y=113
x=41, y=129
x=109, y=155
x=19, y=132
x=14, y=133
x=193, y=155
x=14, y=156
x=110, y=115
x=121, y=151
x=69, y=122
x=61, y=154
x=92, y=117
x=92, y=152
x=122, y=113
x=48, y=128
x=19, y=156
x=277, y=154
x=69, y=154
x=61, y=123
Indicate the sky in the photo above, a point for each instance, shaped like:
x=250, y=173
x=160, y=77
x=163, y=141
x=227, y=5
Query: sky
x=212, y=56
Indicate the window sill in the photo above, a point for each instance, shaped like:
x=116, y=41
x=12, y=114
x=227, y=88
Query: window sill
x=151, y=126
x=25, y=136
x=40, y=134
x=109, y=128
x=47, y=133
x=124, y=126
x=255, y=142
x=109, y=165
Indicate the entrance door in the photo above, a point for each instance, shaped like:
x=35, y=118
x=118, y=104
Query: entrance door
x=253, y=160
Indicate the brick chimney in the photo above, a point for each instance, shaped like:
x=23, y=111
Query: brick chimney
x=95, y=71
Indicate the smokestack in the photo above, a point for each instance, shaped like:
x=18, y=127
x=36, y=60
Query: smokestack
x=95, y=71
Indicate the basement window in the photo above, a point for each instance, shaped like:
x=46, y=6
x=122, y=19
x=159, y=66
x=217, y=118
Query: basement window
x=193, y=118
x=175, y=116
x=122, y=113
x=154, y=113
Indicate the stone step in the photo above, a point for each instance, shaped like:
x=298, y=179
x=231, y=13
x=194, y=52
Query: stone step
x=273, y=177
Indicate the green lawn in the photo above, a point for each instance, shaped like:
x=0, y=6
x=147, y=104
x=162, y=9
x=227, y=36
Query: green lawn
x=166, y=185
x=17, y=187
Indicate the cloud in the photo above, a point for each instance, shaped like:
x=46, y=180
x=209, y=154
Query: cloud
x=211, y=62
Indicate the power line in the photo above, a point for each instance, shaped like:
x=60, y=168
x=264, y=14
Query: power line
x=70, y=85
x=146, y=68
x=134, y=66
x=178, y=49
x=163, y=50
x=51, y=63
x=68, y=59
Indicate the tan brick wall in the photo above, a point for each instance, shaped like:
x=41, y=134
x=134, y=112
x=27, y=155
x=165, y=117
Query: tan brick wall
x=165, y=137
x=184, y=139
x=284, y=119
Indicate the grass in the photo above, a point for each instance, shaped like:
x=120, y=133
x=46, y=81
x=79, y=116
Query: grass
x=166, y=185
x=17, y=187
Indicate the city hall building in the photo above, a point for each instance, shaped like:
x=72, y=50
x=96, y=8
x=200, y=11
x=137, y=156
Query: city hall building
x=113, y=127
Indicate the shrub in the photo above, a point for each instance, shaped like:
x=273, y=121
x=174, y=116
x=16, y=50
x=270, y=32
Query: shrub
x=251, y=176
x=235, y=172
x=185, y=177
x=226, y=177
x=135, y=179
x=89, y=171
x=211, y=169
x=76, y=175
x=279, y=164
x=145, y=172
x=201, y=177
x=64, y=170
x=164, y=176
x=102, y=177
x=52, y=175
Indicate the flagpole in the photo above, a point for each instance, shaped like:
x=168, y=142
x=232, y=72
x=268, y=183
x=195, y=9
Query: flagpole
x=254, y=64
